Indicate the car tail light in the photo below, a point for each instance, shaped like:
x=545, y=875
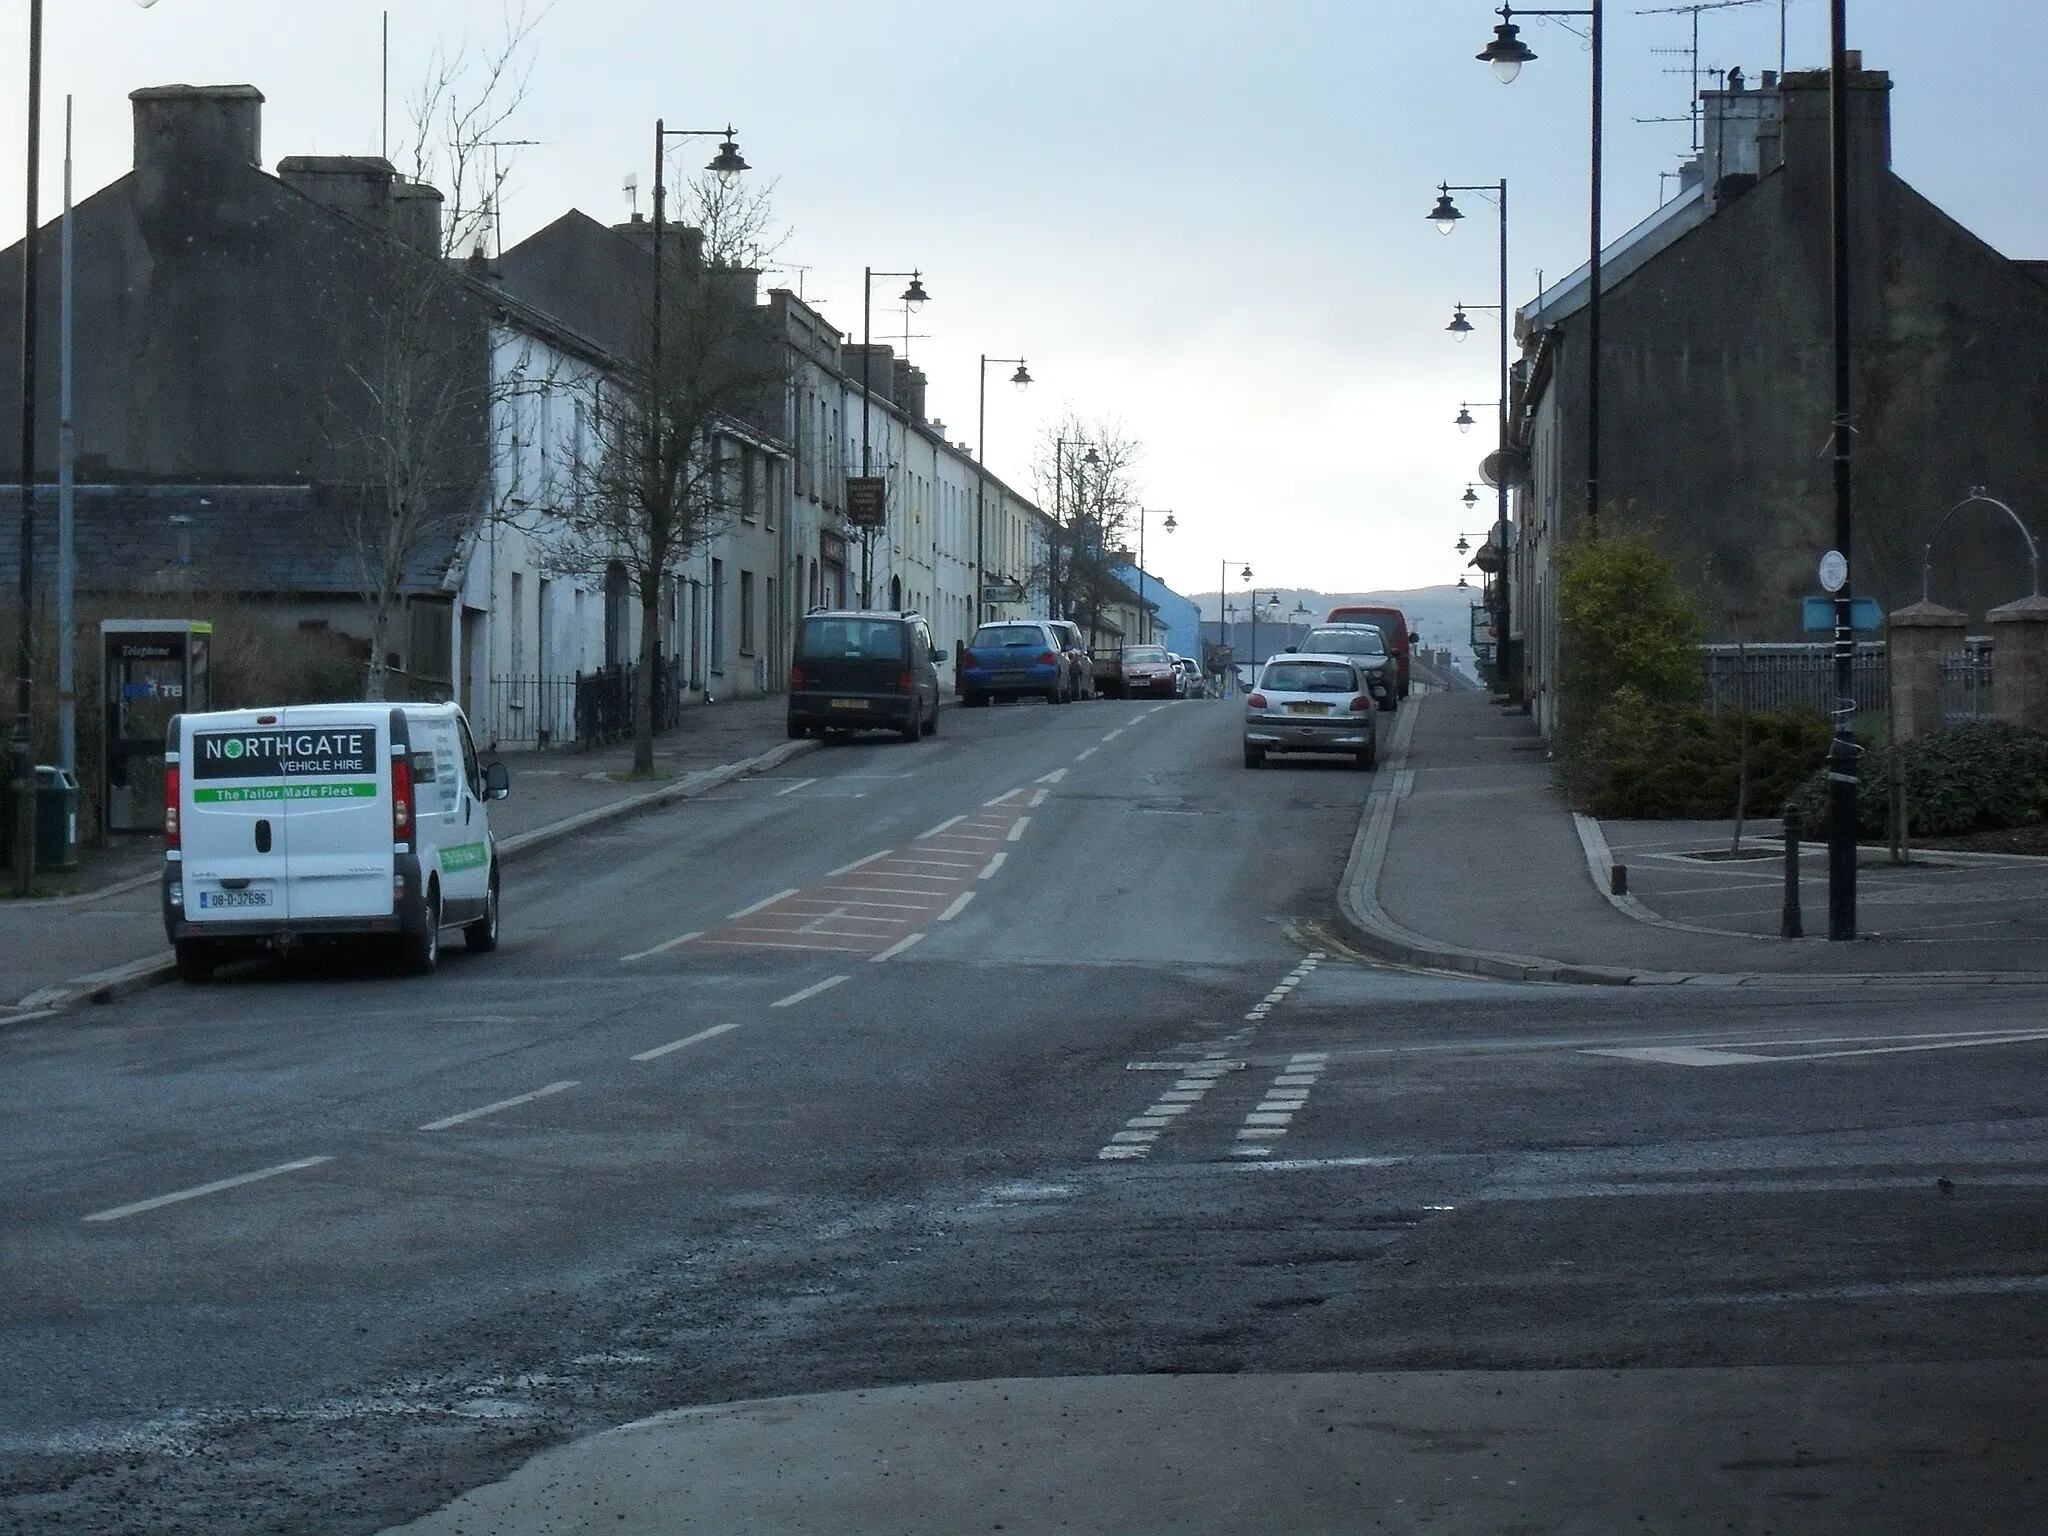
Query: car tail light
x=401, y=799
x=1256, y=701
x=906, y=681
x=796, y=679
x=1363, y=701
x=171, y=776
x=1048, y=658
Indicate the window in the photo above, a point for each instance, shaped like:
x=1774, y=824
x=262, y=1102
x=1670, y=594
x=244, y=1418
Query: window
x=718, y=617
x=518, y=667
x=746, y=613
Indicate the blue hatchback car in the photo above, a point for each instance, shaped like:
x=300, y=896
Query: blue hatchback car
x=1012, y=660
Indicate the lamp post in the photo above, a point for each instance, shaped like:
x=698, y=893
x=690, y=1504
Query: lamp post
x=1223, y=607
x=1145, y=613
x=1022, y=379
x=1446, y=218
x=23, y=745
x=1842, y=754
x=1059, y=493
x=914, y=298
x=1507, y=53
x=1272, y=613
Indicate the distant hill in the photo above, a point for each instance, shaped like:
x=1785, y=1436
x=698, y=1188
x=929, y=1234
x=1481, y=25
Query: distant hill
x=1441, y=615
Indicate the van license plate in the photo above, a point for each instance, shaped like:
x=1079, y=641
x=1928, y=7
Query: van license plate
x=849, y=703
x=211, y=901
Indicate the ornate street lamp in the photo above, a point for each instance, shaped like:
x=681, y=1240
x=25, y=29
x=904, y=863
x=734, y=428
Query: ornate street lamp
x=1022, y=379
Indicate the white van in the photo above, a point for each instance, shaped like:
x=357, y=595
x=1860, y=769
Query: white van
x=323, y=821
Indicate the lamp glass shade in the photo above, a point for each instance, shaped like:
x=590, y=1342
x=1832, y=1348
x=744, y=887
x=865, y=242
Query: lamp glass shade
x=1021, y=378
x=914, y=297
x=1462, y=581
x=1169, y=525
x=1463, y=420
x=727, y=165
x=1245, y=574
x=1091, y=457
x=1507, y=53
x=1272, y=607
x=1462, y=546
x=1459, y=327
x=1445, y=215
x=1471, y=497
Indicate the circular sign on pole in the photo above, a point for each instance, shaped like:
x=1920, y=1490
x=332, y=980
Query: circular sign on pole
x=1834, y=571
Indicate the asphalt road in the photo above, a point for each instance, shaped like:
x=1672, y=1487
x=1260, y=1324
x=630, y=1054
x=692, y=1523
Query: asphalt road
x=1018, y=1052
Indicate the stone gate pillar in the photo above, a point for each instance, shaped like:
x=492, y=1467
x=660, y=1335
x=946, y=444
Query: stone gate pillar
x=2019, y=662
x=1922, y=637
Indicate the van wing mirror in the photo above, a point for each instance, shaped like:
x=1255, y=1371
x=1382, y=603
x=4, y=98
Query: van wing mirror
x=1414, y=638
x=497, y=782
x=938, y=657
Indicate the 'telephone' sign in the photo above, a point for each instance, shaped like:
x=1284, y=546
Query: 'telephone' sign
x=284, y=754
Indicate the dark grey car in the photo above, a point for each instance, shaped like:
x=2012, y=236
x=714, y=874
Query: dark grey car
x=864, y=671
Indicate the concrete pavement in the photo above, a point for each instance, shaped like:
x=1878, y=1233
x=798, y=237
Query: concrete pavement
x=1469, y=860
x=1711, y=1450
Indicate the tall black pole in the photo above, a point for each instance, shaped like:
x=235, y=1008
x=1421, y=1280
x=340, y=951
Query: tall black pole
x=1500, y=616
x=980, y=481
x=867, y=532
x=1842, y=784
x=654, y=330
x=24, y=743
x=1593, y=306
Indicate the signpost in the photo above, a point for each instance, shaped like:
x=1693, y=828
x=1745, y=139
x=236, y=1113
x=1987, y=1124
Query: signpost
x=867, y=501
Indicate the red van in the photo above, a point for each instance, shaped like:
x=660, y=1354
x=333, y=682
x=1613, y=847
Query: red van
x=1392, y=622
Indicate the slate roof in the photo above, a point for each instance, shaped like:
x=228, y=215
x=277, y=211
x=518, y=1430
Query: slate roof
x=248, y=540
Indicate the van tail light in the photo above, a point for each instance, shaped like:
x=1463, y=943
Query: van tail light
x=1363, y=701
x=401, y=799
x=796, y=679
x=1048, y=658
x=1256, y=701
x=171, y=778
x=906, y=681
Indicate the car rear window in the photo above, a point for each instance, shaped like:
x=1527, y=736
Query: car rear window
x=1308, y=677
x=851, y=640
x=1346, y=642
x=991, y=637
x=1144, y=653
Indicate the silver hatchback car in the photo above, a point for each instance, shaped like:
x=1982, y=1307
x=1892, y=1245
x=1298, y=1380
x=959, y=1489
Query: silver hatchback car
x=1312, y=703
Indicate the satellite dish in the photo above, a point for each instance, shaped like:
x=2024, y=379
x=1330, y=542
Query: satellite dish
x=1507, y=466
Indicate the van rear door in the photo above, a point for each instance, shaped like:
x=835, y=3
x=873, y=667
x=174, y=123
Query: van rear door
x=853, y=657
x=233, y=832
x=336, y=771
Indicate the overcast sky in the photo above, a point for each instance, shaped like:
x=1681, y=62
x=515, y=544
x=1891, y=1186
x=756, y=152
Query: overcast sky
x=1203, y=218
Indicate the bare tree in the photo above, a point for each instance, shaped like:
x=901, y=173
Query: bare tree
x=662, y=477
x=419, y=433
x=1085, y=472
x=737, y=221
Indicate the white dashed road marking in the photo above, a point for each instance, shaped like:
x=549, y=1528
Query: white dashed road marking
x=799, y=784
x=935, y=831
x=995, y=862
x=809, y=992
x=499, y=1107
x=1003, y=799
x=1051, y=778
x=1083, y=757
x=686, y=1042
x=765, y=901
x=1038, y=797
x=897, y=948
x=664, y=946
x=120, y=1212
x=1017, y=832
x=1268, y=1122
x=959, y=905
x=847, y=869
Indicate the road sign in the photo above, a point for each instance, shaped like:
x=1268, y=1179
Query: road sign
x=867, y=501
x=1834, y=571
x=1003, y=592
x=1817, y=614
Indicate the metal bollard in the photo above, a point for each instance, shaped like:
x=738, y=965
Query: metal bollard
x=1789, y=925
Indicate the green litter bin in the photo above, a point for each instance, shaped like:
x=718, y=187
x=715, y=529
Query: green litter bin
x=56, y=818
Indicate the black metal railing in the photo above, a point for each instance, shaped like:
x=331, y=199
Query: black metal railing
x=605, y=701
x=1777, y=676
x=530, y=712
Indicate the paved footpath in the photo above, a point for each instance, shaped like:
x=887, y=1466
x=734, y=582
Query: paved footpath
x=1469, y=859
x=54, y=950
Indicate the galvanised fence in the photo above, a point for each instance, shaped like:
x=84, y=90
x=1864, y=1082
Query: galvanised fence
x=1966, y=683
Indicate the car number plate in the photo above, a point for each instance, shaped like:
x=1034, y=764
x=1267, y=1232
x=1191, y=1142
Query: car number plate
x=849, y=703
x=1300, y=708
x=213, y=901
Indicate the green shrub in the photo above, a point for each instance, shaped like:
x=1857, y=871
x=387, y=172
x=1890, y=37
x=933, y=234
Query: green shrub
x=1687, y=764
x=1973, y=778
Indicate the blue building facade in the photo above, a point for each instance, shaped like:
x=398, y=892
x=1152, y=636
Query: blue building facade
x=1176, y=624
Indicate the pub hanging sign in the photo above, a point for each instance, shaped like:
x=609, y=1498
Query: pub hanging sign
x=867, y=501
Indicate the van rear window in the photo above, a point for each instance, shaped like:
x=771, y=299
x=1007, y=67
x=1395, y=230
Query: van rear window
x=851, y=640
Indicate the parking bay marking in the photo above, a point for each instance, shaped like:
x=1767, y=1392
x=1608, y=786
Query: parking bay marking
x=120, y=1212
x=685, y=1043
x=503, y=1104
x=1017, y=829
x=765, y=901
x=666, y=945
x=1051, y=778
x=902, y=944
x=958, y=906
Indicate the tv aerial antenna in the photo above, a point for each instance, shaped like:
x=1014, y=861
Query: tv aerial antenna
x=1691, y=52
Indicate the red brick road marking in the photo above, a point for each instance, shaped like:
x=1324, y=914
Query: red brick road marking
x=870, y=908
